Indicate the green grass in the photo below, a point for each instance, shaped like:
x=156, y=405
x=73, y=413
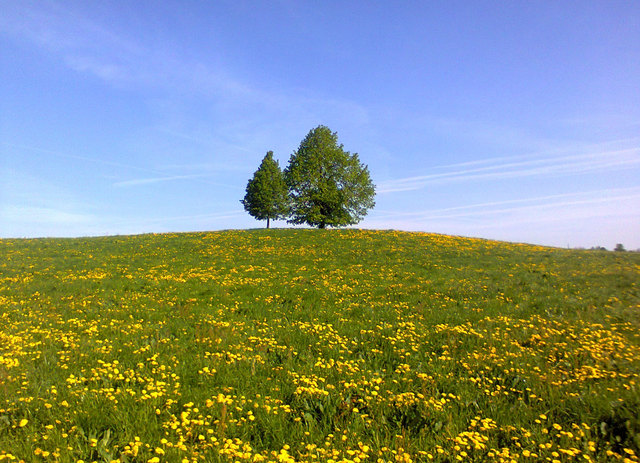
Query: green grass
x=316, y=345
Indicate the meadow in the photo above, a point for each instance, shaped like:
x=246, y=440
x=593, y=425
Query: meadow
x=316, y=345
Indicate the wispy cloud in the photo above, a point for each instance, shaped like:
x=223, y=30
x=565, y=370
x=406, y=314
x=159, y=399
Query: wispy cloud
x=568, y=209
x=248, y=118
x=588, y=204
x=205, y=221
x=201, y=140
x=103, y=70
x=199, y=217
x=600, y=215
x=43, y=215
x=32, y=206
x=89, y=47
x=201, y=178
x=558, y=150
x=501, y=168
x=148, y=181
x=89, y=159
x=159, y=174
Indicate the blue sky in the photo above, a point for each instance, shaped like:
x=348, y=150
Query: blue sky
x=517, y=120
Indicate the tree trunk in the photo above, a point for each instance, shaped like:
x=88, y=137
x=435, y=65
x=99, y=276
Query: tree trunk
x=322, y=225
x=267, y=222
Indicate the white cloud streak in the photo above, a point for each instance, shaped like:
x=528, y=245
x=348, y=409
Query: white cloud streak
x=43, y=215
x=202, y=141
x=48, y=152
x=556, y=150
x=562, y=207
x=87, y=46
x=499, y=169
x=493, y=208
x=160, y=174
x=199, y=217
x=584, y=219
x=148, y=181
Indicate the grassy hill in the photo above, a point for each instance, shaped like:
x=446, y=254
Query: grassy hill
x=316, y=345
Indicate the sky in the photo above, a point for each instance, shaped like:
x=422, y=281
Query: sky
x=516, y=121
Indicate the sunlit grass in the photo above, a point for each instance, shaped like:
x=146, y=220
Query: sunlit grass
x=316, y=345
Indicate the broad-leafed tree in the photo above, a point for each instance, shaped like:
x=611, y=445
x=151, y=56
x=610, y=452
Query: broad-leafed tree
x=328, y=186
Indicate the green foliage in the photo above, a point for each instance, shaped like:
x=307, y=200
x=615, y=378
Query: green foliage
x=328, y=185
x=266, y=196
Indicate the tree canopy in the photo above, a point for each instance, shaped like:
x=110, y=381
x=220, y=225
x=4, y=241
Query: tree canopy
x=328, y=186
x=266, y=194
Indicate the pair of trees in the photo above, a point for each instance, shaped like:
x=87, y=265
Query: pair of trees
x=322, y=186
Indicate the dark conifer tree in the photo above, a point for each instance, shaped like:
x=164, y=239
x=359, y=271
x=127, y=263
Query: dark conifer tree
x=266, y=195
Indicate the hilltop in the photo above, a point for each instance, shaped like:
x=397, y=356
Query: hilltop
x=316, y=345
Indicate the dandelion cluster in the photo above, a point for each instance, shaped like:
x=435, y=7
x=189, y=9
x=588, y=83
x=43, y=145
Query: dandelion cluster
x=340, y=346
